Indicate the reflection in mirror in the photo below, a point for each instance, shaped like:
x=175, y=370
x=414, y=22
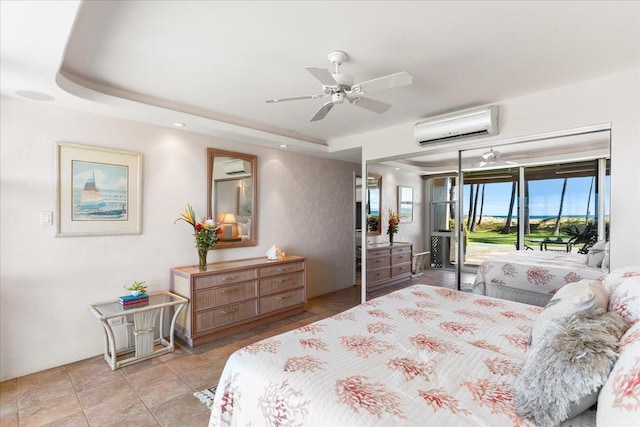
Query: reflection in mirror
x=231, y=196
x=374, y=199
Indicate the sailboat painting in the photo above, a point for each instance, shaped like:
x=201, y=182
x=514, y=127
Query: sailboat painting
x=99, y=191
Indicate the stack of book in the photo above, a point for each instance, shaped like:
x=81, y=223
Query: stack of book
x=129, y=301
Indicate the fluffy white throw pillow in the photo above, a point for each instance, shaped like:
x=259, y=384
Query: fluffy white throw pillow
x=582, y=297
x=563, y=374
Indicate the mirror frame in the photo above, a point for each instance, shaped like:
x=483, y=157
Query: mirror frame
x=212, y=153
x=379, y=178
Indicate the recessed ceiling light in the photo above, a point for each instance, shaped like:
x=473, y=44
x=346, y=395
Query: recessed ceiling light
x=179, y=125
x=35, y=96
x=283, y=145
x=397, y=169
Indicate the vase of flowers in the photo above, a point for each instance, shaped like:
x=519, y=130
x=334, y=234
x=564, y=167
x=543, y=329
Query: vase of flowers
x=394, y=220
x=205, y=233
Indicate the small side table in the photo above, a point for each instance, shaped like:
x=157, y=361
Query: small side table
x=141, y=322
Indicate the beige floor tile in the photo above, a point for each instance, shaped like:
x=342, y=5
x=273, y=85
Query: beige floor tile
x=137, y=420
x=9, y=420
x=173, y=412
x=50, y=411
x=187, y=364
x=8, y=398
x=43, y=393
x=156, y=385
x=200, y=420
x=36, y=380
x=110, y=402
x=76, y=420
x=91, y=373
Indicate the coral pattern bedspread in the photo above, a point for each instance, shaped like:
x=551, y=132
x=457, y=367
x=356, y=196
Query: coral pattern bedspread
x=422, y=355
x=533, y=271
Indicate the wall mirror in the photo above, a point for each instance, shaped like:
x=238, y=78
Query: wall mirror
x=232, y=188
x=374, y=200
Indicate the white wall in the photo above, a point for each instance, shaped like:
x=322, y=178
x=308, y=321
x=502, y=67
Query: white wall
x=613, y=99
x=46, y=283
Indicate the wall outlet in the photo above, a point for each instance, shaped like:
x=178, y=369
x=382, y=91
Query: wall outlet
x=116, y=321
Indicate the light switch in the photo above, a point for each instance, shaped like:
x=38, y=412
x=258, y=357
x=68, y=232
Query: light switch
x=46, y=218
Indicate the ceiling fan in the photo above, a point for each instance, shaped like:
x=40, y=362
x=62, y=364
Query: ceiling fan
x=339, y=87
x=492, y=157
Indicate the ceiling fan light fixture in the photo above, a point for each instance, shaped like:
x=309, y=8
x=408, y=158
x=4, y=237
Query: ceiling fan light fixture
x=491, y=156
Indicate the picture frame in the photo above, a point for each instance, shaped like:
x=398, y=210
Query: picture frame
x=405, y=203
x=98, y=191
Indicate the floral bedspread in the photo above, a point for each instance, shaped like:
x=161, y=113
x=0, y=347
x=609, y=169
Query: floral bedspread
x=535, y=271
x=422, y=355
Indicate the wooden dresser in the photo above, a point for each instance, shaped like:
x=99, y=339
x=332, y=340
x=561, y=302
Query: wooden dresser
x=388, y=265
x=235, y=295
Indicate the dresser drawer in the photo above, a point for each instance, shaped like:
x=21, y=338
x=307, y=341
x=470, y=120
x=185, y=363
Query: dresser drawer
x=210, y=280
x=281, y=269
x=400, y=258
x=399, y=270
x=281, y=300
x=378, y=252
x=285, y=282
x=222, y=295
x=378, y=275
x=401, y=250
x=225, y=315
x=379, y=262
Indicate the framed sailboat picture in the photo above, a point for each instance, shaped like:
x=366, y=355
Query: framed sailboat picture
x=98, y=191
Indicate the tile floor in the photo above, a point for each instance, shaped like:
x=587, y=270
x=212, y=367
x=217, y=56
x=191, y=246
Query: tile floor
x=154, y=392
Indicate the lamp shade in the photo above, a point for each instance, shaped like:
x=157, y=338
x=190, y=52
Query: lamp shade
x=227, y=218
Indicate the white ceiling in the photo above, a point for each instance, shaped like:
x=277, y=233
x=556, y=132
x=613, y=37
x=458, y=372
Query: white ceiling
x=213, y=64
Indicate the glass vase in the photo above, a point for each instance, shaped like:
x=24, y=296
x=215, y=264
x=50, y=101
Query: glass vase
x=202, y=259
x=390, y=239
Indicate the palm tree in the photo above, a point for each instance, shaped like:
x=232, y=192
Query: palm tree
x=586, y=218
x=470, y=214
x=507, y=225
x=481, y=206
x=556, y=229
x=475, y=208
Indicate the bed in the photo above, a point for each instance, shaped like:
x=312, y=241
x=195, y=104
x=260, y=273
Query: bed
x=422, y=355
x=532, y=277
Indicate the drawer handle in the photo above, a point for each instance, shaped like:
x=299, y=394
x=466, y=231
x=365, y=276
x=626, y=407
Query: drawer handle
x=234, y=290
x=283, y=298
x=230, y=312
x=228, y=277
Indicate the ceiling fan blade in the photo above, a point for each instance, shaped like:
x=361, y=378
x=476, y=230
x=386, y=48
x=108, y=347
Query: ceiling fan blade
x=322, y=112
x=293, y=98
x=371, y=105
x=381, y=83
x=323, y=75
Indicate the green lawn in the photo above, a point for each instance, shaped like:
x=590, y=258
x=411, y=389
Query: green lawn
x=490, y=232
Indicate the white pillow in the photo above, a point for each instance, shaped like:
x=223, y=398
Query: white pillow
x=582, y=297
x=619, y=275
x=596, y=254
x=618, y=403
x=625, y=300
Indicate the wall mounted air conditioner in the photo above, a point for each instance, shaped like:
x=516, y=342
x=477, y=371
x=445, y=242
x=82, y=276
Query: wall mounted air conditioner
x=236, y=166
x=471, y=123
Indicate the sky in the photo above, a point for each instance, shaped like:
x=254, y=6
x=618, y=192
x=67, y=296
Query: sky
x=544, y=198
